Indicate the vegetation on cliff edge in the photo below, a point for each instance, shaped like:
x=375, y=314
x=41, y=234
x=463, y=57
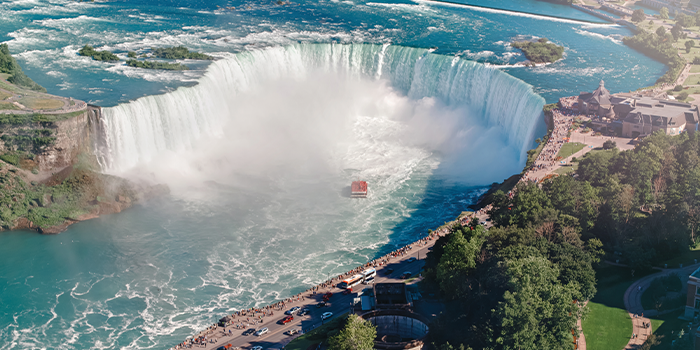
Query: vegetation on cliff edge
x=9, y=65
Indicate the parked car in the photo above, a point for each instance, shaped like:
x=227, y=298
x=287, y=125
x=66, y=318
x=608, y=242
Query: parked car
x=261, y=331
x=412, y=259
x=292, y=332
x=303, y=312
x=406, y=275
x=388, y=271
x=249, y=331
x=287, y=319
x=326, y=315
x=292, y=310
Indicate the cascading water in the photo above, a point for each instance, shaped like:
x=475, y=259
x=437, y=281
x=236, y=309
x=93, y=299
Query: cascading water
x=139, y=131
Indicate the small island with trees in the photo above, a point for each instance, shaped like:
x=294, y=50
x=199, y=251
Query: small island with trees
x=170, y=53
x=156, y=65
x=540, y=51
x=179, y=53
x=90, y=51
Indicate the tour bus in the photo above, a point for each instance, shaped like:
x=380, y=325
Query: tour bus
x=369, y=275
x=351, y=282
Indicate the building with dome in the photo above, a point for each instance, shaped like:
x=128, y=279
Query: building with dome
x=596, y=102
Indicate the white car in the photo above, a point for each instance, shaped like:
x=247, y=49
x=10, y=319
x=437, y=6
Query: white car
x=257, y=347
x=326, y=315
x=292, y=310
x=261, y=331
x=292, y=331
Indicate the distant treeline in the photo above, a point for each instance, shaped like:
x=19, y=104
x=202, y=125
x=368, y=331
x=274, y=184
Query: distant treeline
x=9, y=65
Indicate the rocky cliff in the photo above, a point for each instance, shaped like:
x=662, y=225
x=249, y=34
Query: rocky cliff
x=50, y=176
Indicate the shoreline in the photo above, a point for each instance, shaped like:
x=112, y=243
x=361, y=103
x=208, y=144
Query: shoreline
x=516, y=12
x=241, y=320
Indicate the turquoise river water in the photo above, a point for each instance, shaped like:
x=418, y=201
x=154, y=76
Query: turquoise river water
x=259, y=147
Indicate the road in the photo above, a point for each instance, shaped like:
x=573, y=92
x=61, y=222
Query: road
x=339, y=304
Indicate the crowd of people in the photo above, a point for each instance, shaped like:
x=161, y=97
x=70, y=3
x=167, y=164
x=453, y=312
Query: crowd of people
x=244, y=319
x=563, y=119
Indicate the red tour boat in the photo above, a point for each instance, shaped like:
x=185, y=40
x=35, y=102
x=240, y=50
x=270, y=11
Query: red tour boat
x=359, y=189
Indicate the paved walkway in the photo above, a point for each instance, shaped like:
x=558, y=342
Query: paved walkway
x=633, y=304
x=277, y=338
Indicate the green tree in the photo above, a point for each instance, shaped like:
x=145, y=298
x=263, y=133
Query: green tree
x=357, y=334
x=131, y=54
x=638, y=15
x=663, y=13
x=689, y=45
x=609, y=144
x=661, y=32
x=683, y=96
x=537, y=311
x=458, y=261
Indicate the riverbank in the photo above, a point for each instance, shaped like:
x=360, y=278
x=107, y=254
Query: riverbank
x=389, y=267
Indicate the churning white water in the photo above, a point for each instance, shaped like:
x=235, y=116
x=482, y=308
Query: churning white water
x=321, y=108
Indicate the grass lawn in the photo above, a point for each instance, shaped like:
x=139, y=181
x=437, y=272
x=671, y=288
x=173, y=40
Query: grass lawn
x=4, y=95
x=692, y=80
x=7, y=105
x=695, y=69
x=687, y=258
x=41, y=103
x=570, y=148
x=608, y=326
x=317, y=335
x=4, y=76
x=568, y=169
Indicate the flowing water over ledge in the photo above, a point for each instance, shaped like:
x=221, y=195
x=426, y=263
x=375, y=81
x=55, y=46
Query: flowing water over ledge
x=259, y=209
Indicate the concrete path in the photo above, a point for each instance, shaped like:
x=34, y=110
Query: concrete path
x=633, y=303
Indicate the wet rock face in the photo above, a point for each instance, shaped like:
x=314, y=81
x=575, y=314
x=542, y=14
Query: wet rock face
x=72, y=138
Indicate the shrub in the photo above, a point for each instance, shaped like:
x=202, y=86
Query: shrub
x=11, y=158
x=678, y=88
x=609, y=144
x=683, y=95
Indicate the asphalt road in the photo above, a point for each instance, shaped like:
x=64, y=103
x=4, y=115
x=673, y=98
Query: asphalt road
x=339, y=304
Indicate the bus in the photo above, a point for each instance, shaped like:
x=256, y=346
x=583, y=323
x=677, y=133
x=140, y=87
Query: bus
x=351, y=282
x=369, y=275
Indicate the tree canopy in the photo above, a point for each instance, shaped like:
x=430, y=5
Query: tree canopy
x=638, y=15
x=357, y=334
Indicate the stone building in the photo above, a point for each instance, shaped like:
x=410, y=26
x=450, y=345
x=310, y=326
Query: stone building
x=596, y=102
x=645, y=115
x=639, y=115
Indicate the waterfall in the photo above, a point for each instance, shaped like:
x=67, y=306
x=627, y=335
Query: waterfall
x=138, y=131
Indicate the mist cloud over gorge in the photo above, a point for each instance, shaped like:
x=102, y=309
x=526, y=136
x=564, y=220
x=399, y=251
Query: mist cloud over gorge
x=318, y=124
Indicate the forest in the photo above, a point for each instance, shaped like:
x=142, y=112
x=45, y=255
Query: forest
x=521, y=284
